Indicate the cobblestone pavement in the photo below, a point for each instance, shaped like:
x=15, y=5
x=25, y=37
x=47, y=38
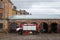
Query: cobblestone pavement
x=29, y=37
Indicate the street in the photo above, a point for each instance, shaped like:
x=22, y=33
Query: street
x=44, y=36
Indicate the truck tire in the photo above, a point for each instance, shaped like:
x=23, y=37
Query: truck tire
x=20, y=32
x=34, y=32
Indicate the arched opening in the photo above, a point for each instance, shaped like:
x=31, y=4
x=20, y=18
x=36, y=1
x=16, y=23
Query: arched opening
x=12, y=27
x=44, y=27
x=54, y=27
x=1, y=25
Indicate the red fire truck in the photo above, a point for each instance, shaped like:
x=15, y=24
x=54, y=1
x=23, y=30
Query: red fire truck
x=28, y=29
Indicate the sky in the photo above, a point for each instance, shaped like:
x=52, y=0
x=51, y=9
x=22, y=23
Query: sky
x=38, y=6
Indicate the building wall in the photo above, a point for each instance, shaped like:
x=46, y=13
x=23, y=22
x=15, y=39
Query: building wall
x=6, y=11
x=22, y=12
x=10, y=9
x=7, y=8
x=2, y=11
x=49, y=22
x=14, y=12
x=18, y=13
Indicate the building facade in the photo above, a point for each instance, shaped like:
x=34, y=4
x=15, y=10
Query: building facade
x=7, y=18
x=50, y=23
x=14, y=10
x=5, y=12
x=22, y=12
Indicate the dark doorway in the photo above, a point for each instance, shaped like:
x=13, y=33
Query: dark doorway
x=54, y=27
x=44, y=27
x=1, y=25
x=12, y=27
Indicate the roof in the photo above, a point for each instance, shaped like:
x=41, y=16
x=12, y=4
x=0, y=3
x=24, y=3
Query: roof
x=42, y=16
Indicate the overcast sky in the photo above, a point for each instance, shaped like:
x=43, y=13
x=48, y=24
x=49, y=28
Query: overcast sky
x=38, y=6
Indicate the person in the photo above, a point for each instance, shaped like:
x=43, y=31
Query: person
x=19, y=30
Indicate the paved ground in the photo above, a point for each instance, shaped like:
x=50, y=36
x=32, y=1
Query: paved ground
x=29, y=37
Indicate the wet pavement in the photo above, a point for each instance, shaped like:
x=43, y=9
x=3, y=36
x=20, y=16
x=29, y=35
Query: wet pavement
x=15, y=36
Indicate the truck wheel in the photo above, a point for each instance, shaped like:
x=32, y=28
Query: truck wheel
x=20, y=32
x=34, y=33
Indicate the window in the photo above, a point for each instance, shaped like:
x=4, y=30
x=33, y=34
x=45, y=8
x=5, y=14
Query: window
x=1, y=25
x=1, y=15
x=1, y=5
x=1, y=0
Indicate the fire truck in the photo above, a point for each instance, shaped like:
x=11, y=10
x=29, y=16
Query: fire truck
x=27, y=29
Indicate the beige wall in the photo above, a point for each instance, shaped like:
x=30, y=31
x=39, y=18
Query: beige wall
x=6, y=11
x=7, y=8
x=14, y=12
x=10, y=10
